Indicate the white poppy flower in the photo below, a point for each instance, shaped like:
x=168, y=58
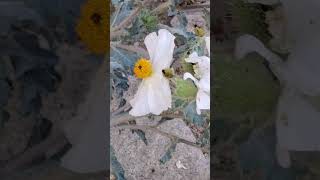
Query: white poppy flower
x=154, y=94
x=202, y=72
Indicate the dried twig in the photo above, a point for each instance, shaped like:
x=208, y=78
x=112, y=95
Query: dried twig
x=120, y=110
x=172, y=30
x=132, y=48
x=162, y=7
x=128, y=20
x=117, y=13
x=126, y=117
x=116, y=34
x=121, y=121
x=196, y=6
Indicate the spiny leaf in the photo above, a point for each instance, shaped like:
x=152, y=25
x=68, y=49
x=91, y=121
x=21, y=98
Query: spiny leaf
x=149, y=21
x=142, y=135
x=185, y=88
x=116, y=166
x=191, y=115
x=168, y=155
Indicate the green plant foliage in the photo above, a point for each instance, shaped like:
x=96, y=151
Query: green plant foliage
x=149, y=20
x=191, y=116
x=185, y=88
x=116, y=166
x=142, y=135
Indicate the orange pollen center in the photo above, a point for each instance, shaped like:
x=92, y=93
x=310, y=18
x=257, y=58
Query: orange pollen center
x=142, y=68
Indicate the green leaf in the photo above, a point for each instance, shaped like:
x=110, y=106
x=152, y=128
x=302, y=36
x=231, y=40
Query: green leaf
x=187, y=67
x=141, y=134
x=116, y=166
x=168, y=155
x=190, y=114
x=185, y=88
x=149, y=21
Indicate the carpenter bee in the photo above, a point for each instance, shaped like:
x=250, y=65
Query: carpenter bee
x=168, y=72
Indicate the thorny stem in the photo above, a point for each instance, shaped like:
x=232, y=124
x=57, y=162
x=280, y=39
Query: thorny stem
x=118, y=33
x=124, y=108
x=121, y=121
x=117, y=13
x=170, y=136
x=126, y=117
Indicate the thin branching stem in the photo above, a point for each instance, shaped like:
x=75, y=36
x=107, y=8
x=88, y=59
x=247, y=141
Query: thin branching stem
x=117, y=13
x=170, y=136
x=161, y=8
x=126, y=117
x=127, y=20
x=135, y=49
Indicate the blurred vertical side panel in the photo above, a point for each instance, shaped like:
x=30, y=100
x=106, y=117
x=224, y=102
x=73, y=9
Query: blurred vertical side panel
x=54, y=85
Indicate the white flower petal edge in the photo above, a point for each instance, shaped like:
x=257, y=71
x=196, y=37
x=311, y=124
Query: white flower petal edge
x=203, y=64
x=207, y=40
x=160, y=49
x=154, y=94
x=203, y=72
x=203, y=94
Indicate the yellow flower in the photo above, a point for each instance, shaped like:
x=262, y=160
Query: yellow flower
x=142, y=68
x=93, y=26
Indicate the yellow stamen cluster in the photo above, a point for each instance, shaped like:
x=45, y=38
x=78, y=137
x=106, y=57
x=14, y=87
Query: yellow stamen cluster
x=142, y=68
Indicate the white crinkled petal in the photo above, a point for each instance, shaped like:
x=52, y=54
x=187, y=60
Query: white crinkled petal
x=204, y=66
x=203, y=63
x=207, y=40
x=204, y=83
x=159, y=98
x=153, y=96
x=202, y=101
x=189, y=76
x=160, y=48
x=193, y=58
x=151, y=42
x=139, y=103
